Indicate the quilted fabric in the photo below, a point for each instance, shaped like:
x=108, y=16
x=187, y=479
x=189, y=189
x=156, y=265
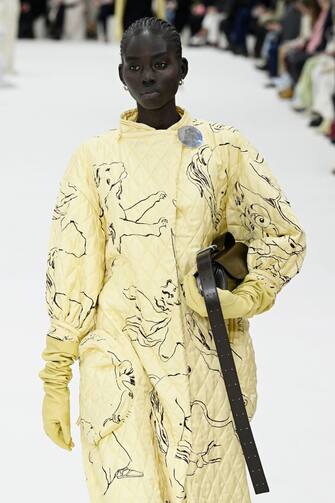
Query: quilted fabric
x=134, y=207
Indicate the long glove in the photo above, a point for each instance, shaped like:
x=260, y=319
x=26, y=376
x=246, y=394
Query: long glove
x=56, y=374
x=248, y=299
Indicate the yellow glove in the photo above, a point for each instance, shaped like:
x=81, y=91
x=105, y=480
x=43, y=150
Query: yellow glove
x=56, y=374
x=193, y=297
x=249, y=298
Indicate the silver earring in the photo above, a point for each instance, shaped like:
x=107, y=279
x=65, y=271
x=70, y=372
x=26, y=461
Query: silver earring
x=181, y=82
x=125, y=87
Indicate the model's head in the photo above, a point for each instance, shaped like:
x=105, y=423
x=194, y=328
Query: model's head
x=152, y=64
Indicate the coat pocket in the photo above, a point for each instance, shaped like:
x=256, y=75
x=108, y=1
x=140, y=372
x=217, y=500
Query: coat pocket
x=109, y=374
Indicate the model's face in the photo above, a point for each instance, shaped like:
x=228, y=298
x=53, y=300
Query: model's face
x=151, y=70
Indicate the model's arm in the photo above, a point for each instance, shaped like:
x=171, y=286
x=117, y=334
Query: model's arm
x=259, y=215
x=74, y=278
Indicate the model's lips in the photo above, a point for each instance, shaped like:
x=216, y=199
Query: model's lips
x=150, y=93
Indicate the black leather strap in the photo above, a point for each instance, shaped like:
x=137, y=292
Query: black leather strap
x=215, y=316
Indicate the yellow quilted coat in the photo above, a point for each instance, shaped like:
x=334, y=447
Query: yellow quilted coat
x=134, y=207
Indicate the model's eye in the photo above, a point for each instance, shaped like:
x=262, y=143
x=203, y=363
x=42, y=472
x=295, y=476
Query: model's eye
x=161, y=65
x=134, y=68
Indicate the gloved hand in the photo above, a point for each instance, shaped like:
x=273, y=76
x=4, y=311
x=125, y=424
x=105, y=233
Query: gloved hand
x=250, y=297
x=193, y=297
x=56, y=374
x=56, y=417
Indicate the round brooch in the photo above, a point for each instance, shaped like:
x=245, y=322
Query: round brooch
x=190, y=136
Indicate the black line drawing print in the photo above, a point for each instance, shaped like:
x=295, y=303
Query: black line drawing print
x=173, y=246
x=119, y=466
x=131, y=220
x=186, y=453
x=198, y=456
x=278, y=201
x=70, y=229
x=61, y=306
x=271, y=255
x=64, y=198
x=157, y=418
x=125, y=380
x=175, y=463
x=202, y=338
x=150, y=326
x=89, y=431
x=198, y=172
x=197, y=122
x=216, y=127
x=117, y=405
x=90, y=337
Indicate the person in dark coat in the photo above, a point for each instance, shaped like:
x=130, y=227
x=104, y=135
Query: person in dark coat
x=30, y=11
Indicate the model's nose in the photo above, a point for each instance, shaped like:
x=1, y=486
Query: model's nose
x=148, y=76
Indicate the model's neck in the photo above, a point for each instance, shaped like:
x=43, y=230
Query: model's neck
x=161, y=118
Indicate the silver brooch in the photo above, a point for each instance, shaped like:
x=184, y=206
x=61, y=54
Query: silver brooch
x=190, y=136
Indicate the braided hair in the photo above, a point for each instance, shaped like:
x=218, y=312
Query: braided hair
x=154, y=25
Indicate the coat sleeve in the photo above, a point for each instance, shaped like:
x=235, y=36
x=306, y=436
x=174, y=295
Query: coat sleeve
x=75, y=265
x=259, y=215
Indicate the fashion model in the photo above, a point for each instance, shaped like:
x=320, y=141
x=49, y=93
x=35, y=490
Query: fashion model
x=134, y=207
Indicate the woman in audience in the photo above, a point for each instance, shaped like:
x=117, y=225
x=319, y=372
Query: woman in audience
x=105, y=10
x=296, y=57
x=315, y=88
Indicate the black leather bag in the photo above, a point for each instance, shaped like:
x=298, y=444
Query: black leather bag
x=229, y=262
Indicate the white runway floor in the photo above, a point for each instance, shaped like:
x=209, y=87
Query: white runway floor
x=66, y=92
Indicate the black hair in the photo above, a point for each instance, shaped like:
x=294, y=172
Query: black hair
x=154, y=25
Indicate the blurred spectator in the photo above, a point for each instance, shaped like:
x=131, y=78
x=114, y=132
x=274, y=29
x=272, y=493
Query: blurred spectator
x=263, y=12
x=67, y=19
x=236, y=24
x=91, y=22
x=31, y=12
x=128, y=11
x=106, y=9
x=9, y=14
x=182, y=9
x=296, y=57
x=281, y=34
x=207, y=16
x=314, y=92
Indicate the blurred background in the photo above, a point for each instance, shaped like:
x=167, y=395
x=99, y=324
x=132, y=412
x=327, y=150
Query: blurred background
x=267, y=67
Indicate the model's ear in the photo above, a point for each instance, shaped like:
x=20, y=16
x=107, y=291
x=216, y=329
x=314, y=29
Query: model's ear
x=184, y=67
x=121, y=73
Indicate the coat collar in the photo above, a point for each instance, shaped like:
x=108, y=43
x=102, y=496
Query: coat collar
x=128, y=122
